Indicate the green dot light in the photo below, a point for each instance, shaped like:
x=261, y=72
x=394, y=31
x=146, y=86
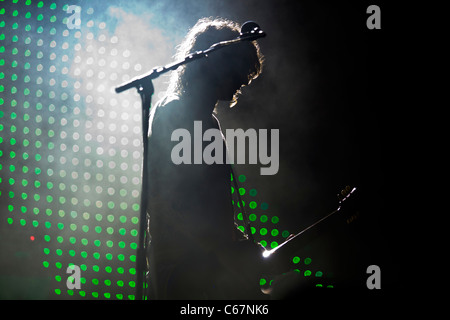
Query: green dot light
x=54, y=185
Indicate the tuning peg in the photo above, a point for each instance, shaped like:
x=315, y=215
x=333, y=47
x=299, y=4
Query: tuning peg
x=344, y=193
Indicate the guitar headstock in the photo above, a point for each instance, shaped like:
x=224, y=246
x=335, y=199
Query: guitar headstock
x=347, y=203
x=346, y=193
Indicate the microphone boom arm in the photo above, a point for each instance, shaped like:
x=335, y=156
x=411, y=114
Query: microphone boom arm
x=157, y=71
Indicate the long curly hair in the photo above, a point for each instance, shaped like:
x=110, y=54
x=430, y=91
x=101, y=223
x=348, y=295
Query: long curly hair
x=244, y=58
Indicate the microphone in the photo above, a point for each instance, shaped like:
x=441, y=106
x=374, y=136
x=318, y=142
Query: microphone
x=250, y=31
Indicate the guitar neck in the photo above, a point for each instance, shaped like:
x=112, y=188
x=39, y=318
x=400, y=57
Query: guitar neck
x=335, y=220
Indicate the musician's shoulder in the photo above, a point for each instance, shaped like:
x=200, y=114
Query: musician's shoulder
x=169, y=102
x=167, y=107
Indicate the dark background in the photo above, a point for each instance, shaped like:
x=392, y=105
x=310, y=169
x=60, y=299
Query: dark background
x=330, y=86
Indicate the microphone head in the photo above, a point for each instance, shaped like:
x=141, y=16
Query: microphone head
x=251, y=30
x=249, y=26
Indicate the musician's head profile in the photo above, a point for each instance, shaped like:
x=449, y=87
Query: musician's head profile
x=222, y=74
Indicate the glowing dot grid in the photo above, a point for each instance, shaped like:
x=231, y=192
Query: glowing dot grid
x=70, y=151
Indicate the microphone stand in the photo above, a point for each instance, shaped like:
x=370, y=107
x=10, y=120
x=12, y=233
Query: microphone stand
x=145, y=88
